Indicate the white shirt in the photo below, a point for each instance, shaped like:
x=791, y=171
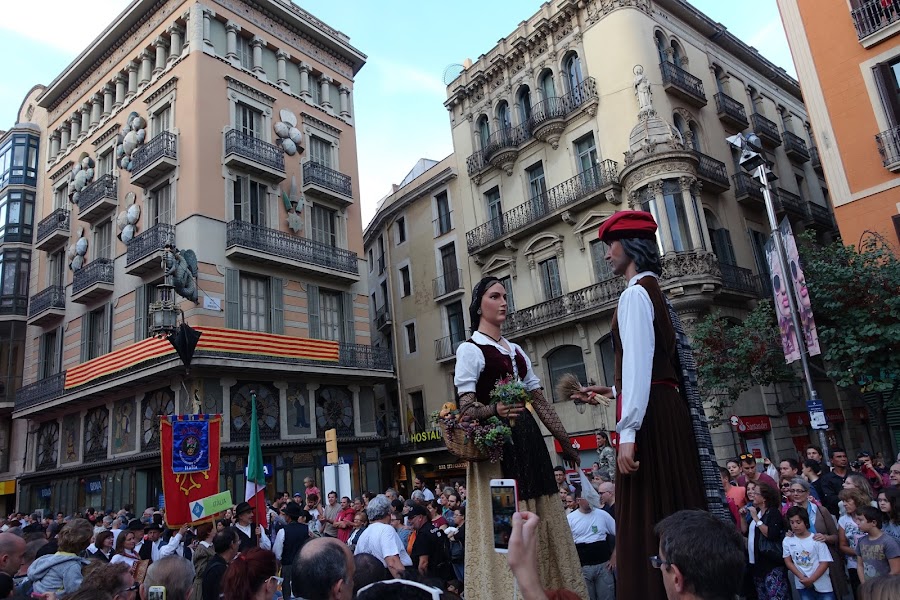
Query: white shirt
x=382, y=540
x=470, y=364
x=591, y=527
x=635, y=314
x=429, y=495
x=159, y=550
x=264, y=542
x=807, y=555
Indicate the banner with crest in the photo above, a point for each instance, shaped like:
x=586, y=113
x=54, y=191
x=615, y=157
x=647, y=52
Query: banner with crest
x=189, y=452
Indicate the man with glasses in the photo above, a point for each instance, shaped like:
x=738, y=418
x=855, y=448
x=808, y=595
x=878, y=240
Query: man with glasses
x=700, y=557
x=607, y=493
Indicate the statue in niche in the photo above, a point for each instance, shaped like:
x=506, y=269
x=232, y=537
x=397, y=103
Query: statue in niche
x=122, y=426
x=182, y=266
x=642, y=90
x=298, y=411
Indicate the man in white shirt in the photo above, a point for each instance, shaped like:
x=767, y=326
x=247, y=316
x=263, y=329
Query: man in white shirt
x=381, y=540
x=154, y=548
x=420, y=485
x=590, y=528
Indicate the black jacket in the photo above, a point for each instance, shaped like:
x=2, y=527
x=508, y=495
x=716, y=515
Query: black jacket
x=213, y=576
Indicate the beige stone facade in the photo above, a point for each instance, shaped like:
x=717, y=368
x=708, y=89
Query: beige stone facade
x=227, y=128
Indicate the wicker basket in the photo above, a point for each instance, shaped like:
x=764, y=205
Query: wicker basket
x=460, y=446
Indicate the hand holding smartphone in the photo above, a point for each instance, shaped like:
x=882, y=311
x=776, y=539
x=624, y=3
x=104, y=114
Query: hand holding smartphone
x=156, y=592
x=504, y=504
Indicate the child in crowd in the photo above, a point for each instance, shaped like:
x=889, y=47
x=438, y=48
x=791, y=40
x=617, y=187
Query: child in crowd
x=806, y=558
x=877, y=554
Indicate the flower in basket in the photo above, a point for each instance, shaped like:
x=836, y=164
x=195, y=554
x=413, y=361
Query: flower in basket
x=488, y=437
x=510, y=391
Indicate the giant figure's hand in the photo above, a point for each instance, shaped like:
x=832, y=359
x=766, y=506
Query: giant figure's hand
x=625, y=459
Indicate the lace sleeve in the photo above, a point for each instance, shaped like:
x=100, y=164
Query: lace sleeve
x=551, y=420
x=470, y=407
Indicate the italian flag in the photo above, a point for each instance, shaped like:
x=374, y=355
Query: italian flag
x=255, y=494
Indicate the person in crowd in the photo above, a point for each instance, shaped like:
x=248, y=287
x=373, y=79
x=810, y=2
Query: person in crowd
x=857, y=482
x=784, y=485
x=252, y=576
x=391, y=494
x=328, y=515
x=750, y=472
x=419, y=484
x=368, y=570
x=324, y=570
x=889, y=504
x=426, y=544
x=559, y=473
x=125, y=553
x=868, y=470
x=766, y=530
x=457, y=537
x=877, y=554
x=250, y=534
x=112, y=579
x=289, y=540
x=606, y=456
x=736, y=493
x=104, y=543
x=607, y=493
x=789, y=468
x=344, y=520
x=61, y=572
x=382, y=540
x=203, y=553
x=849, y=532
x=435, y=515
x=12, y=550
x=824, y=528
x=400, y=523
x=880, y=588
x=31, y=550
x=155, y=548
x=453, y=503
x=315, y=510
x=590, y=528
x=225, y=545
x=360, y=522
x=812, y=472
x=174, y=573
x=480, y=362
x=833, y=480
x=813, y=453
x=807, y=558
x=222, y=524
x=734, y=470
x=309, y=487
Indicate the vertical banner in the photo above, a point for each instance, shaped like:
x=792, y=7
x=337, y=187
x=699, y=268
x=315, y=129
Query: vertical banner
x=801, y=293
x=789, y=342
x=189, y=452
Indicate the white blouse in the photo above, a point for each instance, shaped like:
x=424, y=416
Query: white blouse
x=470, y=363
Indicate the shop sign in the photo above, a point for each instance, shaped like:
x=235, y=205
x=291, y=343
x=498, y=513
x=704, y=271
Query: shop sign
x=834, y=415
x=432, y=435
x=45, y=492
x=93, y=486
x=7, y=487
x=752, y=424
x=452, y=466
x=580, y=443
x=268, y=470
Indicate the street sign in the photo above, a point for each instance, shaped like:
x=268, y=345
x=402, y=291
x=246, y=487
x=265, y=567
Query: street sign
x=206, y=507
x=816, y=414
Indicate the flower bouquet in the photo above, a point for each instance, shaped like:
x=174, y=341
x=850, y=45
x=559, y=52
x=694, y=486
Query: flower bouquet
x=470, y=439
x=510, y=391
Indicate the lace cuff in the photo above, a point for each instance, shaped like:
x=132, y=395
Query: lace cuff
x=470, y=407
x=550, y=419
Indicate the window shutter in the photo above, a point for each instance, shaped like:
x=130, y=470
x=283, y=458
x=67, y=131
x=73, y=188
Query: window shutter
x=140, y=313
x=107, y=335
x=884, y=80
x=232, y=299
x=349, y=321
x=312, y=310
x=60, y=344
x=728, y=246
x=276, y=291
x=42, y=356
x=85, y=336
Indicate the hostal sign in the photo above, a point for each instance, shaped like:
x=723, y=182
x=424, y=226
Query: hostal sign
x=432, y=435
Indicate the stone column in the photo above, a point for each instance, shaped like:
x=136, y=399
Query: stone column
x=685, y=183
x=54, y=144
x=162, y=46
x=282, y=57
x=108, y=92
x=207, y=17
x=345, y=101
x=257, y=44
x=121, y=86
x=176, y=42
x=96, y=108
x=231, y=33
x=75, y=120
x=146, y=67
x=65, y=132
x=325, y=91
x=704, y=230
x=304, y=80
x=85, y=116
x=132, y=78
x=194, y=34
x=665, y=233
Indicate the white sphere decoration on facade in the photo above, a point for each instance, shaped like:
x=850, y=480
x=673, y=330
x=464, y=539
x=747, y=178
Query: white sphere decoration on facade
x=289, y=137
x=77, y=251
x=132, y=135
x=127, y=219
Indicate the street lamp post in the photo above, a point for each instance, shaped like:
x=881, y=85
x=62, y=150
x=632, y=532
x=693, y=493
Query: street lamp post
x=753, y=161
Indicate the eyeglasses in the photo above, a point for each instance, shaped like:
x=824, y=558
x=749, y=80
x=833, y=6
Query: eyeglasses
x=798, y=491
x=278, y=580
x=435, y=592
x=658, y=563
x=134, y=587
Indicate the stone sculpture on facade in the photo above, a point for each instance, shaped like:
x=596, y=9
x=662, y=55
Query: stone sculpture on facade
x=127, y=220
x=182, y=266
x=81, y=175
x=77, y=251
x=289, y=137
x=642, y=91
x=294, y=207
x=130, y=137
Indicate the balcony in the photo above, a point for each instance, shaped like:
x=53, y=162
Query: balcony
x=98, y=200
x=8, y=387
x=819, y=217
x=154, y=159
x=47, y=306
x=246, y=241
x=766, y=130
x=795, y=147
x=53, y=230
x=502, y=147
x=682, y=84
x=383, y=319
x=873, y=19
x=445, y=347
x=14, y=306
x=815, y=160
x=889, y=148
x=143, y=254
x=747, y=189
x=740, y=280
x=49, y=388
x=319, y=180
x=247, y=153
x=92, y=281
x=712, y=172
x=360, y=356
x=448, y=285
x=791, y=203
x=588, y=188
x=683, y=268
x=731, y=112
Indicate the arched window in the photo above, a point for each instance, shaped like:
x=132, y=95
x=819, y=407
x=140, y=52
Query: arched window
x=680, y=125
x=677, y=54
x=565, y=359
x=548, y=87
x=484, y=131
x=661, y=46
x=503, y=116
x=523, y=103
x=573, y=72
x=720, y=75
x=695, y=135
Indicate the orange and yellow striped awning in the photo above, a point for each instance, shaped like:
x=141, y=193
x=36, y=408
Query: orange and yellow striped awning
x=213, y=339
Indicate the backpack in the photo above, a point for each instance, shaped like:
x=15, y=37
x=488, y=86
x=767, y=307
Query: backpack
x=443, y=567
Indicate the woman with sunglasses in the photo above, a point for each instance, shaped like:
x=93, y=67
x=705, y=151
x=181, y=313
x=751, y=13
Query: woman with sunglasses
x=824, y=528
x=252, y=576
x=767, y=525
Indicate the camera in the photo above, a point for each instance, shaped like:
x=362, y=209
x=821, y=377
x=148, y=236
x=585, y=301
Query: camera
x=855, y=465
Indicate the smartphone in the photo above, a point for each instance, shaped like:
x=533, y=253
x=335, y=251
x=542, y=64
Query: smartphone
x=504, y=503
x=156, y=592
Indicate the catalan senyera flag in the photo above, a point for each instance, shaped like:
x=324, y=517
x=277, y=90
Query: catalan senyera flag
x=255, y=494
x=184, y=448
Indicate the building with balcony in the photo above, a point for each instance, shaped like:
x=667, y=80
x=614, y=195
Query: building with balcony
x=846, y=56
x=226, y=128
x=550, y=140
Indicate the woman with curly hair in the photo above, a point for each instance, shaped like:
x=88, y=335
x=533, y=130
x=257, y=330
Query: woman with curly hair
x=251, y=576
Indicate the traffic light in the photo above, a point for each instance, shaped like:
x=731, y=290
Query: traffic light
x=331, y=446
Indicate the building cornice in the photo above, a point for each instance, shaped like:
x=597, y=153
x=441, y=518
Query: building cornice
x=103, y=137
x=61, y=171
x=248, y=90
x=161, y=90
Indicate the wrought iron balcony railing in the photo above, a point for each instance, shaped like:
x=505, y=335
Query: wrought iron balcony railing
x=149, y=242
x=446, y=347
x=506, y=138
x=889, y=147
x=51, y=297
x=446, y=283
x=58, y=220
x=163, y=144
x=711, y=169
x=677, y=77
x=255, y=149
x=874, y=15
x=279, y=243
x=360, y=356
x=316, y=174
x=49, y=388
x=765, y=129
x=791, y=202
x=731, y=108
x=814, y=158
x=104, y=187
x=99, y=270
x=591, y=298
x=566, y=193
x=819, y=214
x=746, y=186
x=739, y=279
x=795, y=146
x=382, y=316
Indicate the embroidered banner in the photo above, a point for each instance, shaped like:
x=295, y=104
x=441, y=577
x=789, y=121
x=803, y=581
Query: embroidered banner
x=181, y=489
x=190, y=446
